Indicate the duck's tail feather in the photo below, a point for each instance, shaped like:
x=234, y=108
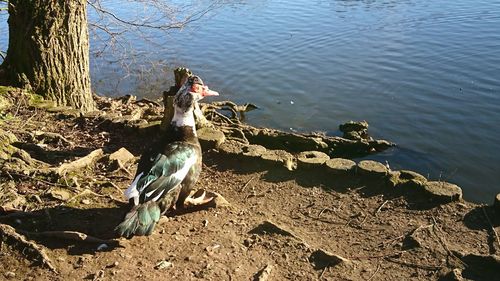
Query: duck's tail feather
x=140, y=220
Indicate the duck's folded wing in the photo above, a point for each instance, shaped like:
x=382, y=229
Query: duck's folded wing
x=167, y=171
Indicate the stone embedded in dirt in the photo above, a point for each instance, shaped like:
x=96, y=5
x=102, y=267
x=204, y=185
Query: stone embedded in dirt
x=163, y=265
x=264, y=273
x=496, y=203
x=122, y=155
x=321, y=259
x=280, y=157
x=119, y=158
x=371, y=168
x=231, y=147
x=219, y=201
x=452, y=275
x=311, y=159
x=267, y=227
x=60, y=193
x=443, y=192
x=210, y=138
x=253, y=150
x=340, y=166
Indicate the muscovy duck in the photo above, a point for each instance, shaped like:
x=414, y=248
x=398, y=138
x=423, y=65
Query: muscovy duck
x=168, y=170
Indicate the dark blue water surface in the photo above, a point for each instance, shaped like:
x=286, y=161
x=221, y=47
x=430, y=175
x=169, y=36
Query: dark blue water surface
x=424, y=74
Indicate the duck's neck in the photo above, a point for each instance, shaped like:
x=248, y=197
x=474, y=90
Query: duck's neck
x=184, y=121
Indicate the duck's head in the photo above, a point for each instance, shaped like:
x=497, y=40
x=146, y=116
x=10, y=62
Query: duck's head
x=192, y=91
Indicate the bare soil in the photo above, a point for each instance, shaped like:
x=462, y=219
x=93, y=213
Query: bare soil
x=280, y=225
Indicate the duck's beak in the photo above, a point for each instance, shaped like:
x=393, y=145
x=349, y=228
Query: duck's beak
x=207, y=92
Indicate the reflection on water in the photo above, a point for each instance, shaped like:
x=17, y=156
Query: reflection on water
x=423, y=73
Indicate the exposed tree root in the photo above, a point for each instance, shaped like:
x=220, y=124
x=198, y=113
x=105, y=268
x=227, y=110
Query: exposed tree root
x=52, y=137
x=37, y=252
x=71, y=236
x=80, y=163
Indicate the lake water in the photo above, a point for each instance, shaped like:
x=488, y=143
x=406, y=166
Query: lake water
x=424, y=74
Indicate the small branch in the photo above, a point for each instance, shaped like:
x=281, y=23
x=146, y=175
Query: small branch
x=70, y=235
x=376, y=270
x=414, y=265
x=380, y=207
x=246, y=184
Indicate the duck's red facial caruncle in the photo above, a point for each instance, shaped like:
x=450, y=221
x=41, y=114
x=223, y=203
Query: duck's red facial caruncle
x=203, y=90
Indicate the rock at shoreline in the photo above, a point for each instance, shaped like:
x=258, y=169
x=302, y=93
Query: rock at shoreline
x=355, y=130
x=280, y=157
x=407, y=180
x=371, y=168
x=253, y=150
x=311, y=159
x=496, y=204
x=340, y=166
x=231, y=147
x=443, y=192
x=210, y=138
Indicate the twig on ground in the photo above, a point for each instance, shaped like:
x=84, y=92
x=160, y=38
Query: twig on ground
x=324, y=210
x=380, y=207
x=378, y=256
x=123, y=168
x=414, y=265
x=247, y=183
x=323, y=272
x=374, y=273
x=70, y=235
x=116, y=187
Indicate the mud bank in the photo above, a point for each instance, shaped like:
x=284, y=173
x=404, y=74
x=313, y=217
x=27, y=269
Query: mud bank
x=293, y=206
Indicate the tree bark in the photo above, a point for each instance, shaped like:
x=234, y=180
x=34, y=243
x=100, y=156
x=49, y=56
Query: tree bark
x=49, y=50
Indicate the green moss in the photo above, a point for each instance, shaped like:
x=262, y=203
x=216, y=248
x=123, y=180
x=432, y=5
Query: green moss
x=5, y=89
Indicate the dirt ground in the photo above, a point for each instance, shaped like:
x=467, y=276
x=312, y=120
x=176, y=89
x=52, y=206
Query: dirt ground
x=280, y=225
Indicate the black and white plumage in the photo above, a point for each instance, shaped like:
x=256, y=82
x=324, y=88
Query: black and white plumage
x=169, y=169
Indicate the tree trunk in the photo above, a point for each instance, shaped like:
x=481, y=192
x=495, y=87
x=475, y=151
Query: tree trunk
x=49, y=50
